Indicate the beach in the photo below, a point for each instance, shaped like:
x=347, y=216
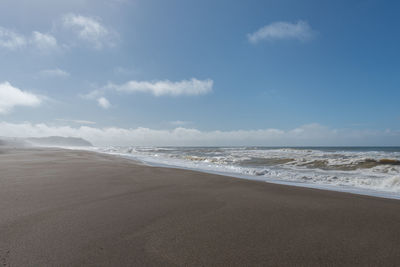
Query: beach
x=78, y=208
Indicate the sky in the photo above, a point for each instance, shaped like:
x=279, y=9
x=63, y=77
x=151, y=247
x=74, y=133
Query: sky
x=210, y=72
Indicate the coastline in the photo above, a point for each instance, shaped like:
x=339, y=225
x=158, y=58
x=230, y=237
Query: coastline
x=70, y=207
x=328, y=187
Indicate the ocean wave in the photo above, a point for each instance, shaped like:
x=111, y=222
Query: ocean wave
x=355, y=168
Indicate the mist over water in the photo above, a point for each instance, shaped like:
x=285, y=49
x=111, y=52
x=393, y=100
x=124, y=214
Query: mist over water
x=369, y=169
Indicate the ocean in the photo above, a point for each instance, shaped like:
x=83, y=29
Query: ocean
x=364, y=170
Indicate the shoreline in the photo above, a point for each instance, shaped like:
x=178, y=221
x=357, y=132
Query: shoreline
x=70, y=207
x=327, y=187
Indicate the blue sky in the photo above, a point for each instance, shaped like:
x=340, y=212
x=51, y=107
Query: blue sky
x=201, y=72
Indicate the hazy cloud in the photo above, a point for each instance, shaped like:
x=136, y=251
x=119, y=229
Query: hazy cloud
x=125, y=71
x=281, y=31
x=76, y=121
x=86, y=29
x=307, y=135
x=179, y=123
x=11, y=40
x=11, y=97
x=44, y=41
x=54, y=73
x=90, y=30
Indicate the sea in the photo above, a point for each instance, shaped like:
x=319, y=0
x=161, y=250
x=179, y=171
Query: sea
x=363, y=170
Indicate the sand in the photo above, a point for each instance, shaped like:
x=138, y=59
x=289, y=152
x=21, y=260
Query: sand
x=74, y=208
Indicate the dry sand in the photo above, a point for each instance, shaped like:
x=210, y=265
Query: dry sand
x=72, y=208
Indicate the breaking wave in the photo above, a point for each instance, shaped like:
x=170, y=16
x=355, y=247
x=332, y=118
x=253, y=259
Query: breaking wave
x=371, y=169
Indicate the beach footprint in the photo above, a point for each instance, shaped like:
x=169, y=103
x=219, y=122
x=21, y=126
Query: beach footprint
x=4, y=254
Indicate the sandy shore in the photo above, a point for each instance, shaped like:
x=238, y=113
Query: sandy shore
x=71, y=208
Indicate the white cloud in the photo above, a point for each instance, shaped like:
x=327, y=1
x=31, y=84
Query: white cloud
x=11, y=97
x=159, y=88
x=103, y=102
x=11, y=40
x=54, y=73
x=43, y=41
x=90, y=30
x=281, y=31
x=307, y=135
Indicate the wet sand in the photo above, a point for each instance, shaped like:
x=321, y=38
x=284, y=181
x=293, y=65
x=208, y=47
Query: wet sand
x=74, y=208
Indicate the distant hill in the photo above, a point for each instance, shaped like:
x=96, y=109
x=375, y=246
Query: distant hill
x=58, y=141
x=12, y=142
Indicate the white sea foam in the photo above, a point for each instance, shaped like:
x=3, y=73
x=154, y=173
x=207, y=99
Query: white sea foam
x=372, y=171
